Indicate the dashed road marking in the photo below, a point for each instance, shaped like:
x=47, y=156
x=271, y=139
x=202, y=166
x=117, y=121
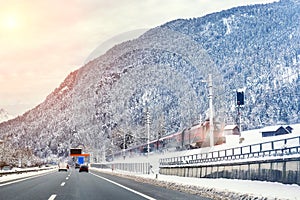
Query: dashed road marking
x=52, y=197
x=62, y=184
x=67, y=178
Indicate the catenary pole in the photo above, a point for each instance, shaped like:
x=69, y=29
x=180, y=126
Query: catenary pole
x=211, y=117
x=148, y=132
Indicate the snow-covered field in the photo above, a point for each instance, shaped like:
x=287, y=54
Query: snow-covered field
x=10, y=177
x=250, y=137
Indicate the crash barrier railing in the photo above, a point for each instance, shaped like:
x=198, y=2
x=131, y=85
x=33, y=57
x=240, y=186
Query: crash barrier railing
x=142, y=168
x=267, y=150
x=281, y=170
x=20, y=171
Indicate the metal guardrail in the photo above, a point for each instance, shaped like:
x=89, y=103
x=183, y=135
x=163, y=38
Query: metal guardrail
x=270, y=149
x=3, y=173
x=142, y=168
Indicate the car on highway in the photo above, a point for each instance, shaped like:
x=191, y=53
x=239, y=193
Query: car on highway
x=84, y=168
x=77, y=166
x=63, y=166
x=6, y=168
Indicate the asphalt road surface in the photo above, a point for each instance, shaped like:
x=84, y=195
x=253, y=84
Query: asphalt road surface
x=94, y=185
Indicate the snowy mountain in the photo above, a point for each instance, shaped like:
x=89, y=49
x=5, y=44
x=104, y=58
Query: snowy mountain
x=4, y=115
x=164, y=73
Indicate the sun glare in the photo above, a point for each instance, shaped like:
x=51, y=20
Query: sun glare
x=10, y=22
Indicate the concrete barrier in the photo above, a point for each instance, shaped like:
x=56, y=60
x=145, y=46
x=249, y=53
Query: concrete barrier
x=285, y=171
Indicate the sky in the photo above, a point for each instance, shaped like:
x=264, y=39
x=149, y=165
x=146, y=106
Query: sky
x=43, y=41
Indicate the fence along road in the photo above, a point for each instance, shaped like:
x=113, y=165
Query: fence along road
x=277, y=160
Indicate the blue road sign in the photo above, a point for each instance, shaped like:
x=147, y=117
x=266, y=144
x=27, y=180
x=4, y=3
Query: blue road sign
x=80, y=160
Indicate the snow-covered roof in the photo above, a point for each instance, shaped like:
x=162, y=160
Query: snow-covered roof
x=274, y=128
x=270, y=128
x=230, y=127
x=196, y=126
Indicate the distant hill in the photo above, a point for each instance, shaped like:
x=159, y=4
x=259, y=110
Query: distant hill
x=163, y=73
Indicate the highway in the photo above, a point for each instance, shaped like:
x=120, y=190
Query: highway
x=94, y=185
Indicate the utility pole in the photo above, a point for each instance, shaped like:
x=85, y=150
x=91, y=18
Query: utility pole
x=112, y=145
x=240, y=101
x=211, y=117
x=148, y=131
x=239, y=118
x=124, y=145
x=2, y=150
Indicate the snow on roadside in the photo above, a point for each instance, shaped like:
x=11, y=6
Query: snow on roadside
x=255, y=188
x=10, y=177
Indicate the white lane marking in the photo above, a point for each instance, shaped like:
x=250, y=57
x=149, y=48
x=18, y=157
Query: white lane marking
x=126, y=188
x=62, y=184
x=52, y=197
x=24, y=179
x=67, y=178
